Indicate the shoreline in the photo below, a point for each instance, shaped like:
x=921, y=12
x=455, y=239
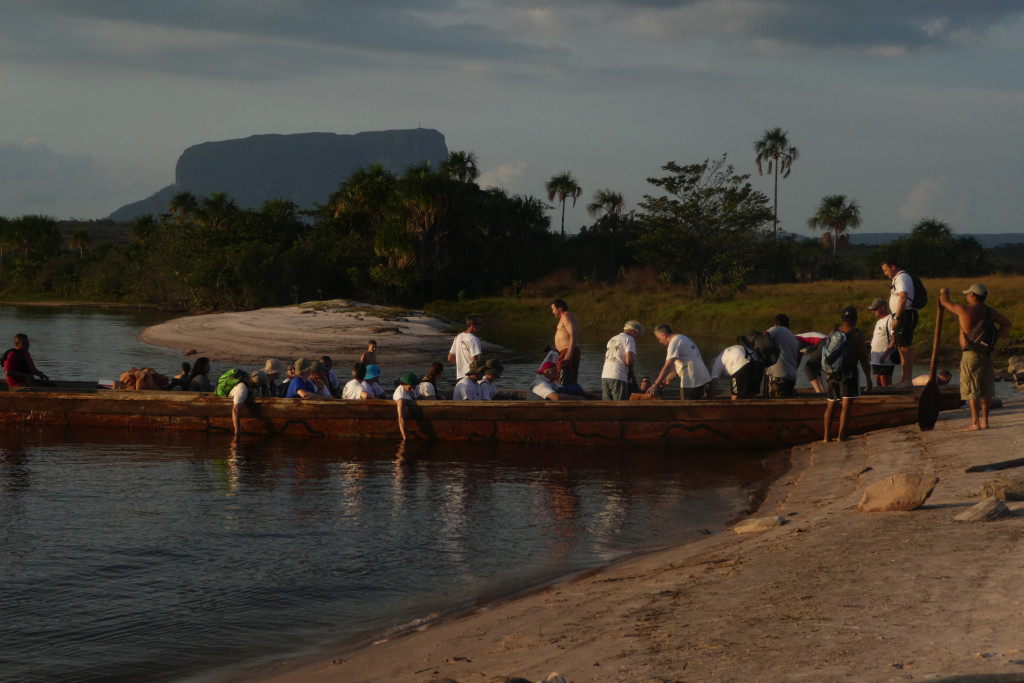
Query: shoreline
x=830, y=594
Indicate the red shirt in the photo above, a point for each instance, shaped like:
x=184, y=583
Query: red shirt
x=18, y=361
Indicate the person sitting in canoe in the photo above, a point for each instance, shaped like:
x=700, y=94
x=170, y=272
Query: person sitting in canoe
x=546, y=388
x=178, y=382
x=405, y=392
x=357, y=387
x=19, y=367
x=321, y=379
x=468, y=388
x=492, y=373
x=427, y=388
x=273, y=369
x=240, y=392
x=199, y=378
x=372, y=379
x=302, y=386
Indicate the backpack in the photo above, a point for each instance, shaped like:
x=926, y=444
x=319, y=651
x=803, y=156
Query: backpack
x=835, y=353
x=763, y=347
x=228, y=381
x=982, y=338
x=920, y=293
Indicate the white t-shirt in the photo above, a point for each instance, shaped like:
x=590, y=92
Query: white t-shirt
x=465, y=346
x=376, y=390
x=880, y=342
x=541, y=388
x=789, y=359
x=689, y=365
x=730, y=361
x=425, y=390
x=488, y=389
x=403, y=394
x=239, y=393
x=901, y=283
x=353, y=390
x=615, y=357
x=466, y=390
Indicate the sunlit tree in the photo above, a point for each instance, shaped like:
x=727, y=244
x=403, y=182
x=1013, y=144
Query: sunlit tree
x=836, y=216
x=773, y=149
x=563, y=186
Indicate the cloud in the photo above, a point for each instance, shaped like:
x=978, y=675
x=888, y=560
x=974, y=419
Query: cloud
x=501, y=175
x=36, y=179
x=932, y=198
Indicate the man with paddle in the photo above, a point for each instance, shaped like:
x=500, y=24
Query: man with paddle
x=980, y=328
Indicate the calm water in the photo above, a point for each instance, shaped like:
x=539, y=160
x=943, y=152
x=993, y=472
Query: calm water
x=168, y=557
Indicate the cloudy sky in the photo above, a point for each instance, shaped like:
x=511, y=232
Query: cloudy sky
x=912, y=107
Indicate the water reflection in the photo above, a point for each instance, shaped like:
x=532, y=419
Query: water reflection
x=133, y=556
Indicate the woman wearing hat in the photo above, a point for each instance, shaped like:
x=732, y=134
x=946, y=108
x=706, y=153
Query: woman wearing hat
x=302, y=386
x=371, y=379
x=405, y=392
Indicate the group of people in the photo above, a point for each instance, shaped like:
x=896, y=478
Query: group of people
x=763, y=364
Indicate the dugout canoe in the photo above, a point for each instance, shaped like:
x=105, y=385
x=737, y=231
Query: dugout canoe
x=720, y=423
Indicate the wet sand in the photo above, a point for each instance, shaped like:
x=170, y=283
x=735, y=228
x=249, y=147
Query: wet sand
x=339, y=329
x=833, y=594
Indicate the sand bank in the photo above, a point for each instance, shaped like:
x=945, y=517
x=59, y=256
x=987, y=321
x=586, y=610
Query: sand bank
x=834, y=594
x=339, y=329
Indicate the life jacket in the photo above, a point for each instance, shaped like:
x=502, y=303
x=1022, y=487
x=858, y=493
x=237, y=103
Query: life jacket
x=228, y=381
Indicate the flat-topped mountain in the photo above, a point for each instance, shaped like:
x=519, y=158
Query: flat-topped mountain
x=304, y=168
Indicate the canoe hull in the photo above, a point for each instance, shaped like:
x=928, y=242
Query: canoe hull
x=758, y=424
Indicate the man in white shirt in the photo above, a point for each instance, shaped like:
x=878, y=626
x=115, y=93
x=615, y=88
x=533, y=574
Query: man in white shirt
x=746, y=374
x=488, y=385
x=620, y=362
x=357, y=388
x=545, y=387
x=782, y=374
x=466, y=347
x=240, y=394
x=904, y=317
x=883, y=344
x=682, y=360
x=468, y=388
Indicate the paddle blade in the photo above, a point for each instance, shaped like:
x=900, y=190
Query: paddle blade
x=928, y=406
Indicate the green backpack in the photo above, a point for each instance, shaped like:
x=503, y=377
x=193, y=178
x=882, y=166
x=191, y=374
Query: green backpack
x=228, y=381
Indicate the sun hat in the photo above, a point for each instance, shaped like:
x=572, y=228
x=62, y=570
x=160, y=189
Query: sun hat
x=409, y=378
x=849, y=314
x=303, y=366
x=876, y=304
x=493, y=366
x=977, y=289
x=260, y=377
x=546, y=366
x=372, y=372
x=274, y=366
x=476, y=368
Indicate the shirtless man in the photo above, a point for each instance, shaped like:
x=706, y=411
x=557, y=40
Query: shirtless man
x=566, y=342
x=977, y=374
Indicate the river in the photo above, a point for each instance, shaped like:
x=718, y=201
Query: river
x=171, y=557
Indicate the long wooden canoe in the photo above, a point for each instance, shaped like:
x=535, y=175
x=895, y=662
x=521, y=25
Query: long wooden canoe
x=756, y=424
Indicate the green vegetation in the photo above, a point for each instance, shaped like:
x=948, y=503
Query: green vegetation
x=702, y=240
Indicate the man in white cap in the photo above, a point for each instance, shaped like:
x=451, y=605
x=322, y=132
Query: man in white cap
x=883, y=344
x=980, y=328
x=620, y=362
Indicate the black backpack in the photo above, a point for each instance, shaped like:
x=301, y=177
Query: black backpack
x=920, y=293
x=763, y=346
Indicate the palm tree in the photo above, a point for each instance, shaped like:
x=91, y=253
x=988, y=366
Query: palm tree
x=461, y=166
x=836, y=216
x=774, y=148
x=80, y=240
x=606, y=203
x=182, y=205
x=563, y=186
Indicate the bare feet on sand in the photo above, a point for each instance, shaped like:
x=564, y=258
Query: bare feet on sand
x=974, y=428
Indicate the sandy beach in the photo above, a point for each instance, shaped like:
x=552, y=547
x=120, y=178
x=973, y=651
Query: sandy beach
x=337, y=328
x=833, y=594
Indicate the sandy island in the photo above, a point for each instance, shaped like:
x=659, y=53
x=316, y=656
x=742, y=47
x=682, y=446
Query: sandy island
x=338, y=328
x=834, y=594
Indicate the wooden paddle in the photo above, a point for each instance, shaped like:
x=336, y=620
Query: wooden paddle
x=928, y=405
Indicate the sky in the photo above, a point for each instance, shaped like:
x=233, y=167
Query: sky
x=913, y=108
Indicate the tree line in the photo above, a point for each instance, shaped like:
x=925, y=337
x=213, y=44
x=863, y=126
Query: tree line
x=435, y=234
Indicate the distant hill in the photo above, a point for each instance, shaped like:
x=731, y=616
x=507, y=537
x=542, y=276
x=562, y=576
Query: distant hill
x=988, y=240
x=304, y=168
